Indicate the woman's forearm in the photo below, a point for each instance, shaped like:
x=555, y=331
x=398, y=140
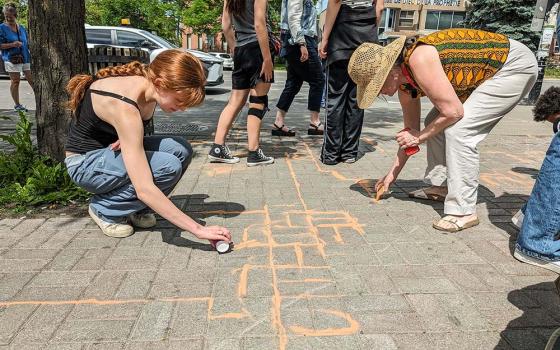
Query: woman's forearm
x=437, y=126
x=332, y=12
x=158, y=202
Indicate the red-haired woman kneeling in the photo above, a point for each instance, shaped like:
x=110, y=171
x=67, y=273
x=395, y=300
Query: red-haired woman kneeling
x=108, y=155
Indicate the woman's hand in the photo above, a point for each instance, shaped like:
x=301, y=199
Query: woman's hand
x=116, y=146
x=213, y=233
x=323, y=48
x=304, y=53
x=408, y=138
x=266, y=70
x=386, y=181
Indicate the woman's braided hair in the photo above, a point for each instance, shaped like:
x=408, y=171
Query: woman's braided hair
x=177, y=71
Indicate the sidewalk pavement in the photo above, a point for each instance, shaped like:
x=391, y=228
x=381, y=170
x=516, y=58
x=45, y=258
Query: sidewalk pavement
x=317, y=264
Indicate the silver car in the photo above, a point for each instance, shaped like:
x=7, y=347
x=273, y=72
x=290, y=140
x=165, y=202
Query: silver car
x=141, y=39
x=228, y=60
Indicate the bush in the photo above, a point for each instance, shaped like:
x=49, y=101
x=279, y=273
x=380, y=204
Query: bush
x=29, y=178
x=552, y=72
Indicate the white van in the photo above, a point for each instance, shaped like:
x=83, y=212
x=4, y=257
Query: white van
x=141, y=39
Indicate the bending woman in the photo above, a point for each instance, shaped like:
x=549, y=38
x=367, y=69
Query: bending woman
x=473, y=78
x=253, y=74
x=108, y=155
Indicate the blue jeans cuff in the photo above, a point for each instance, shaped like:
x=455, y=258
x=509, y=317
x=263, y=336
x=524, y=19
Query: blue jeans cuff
x=533, y=254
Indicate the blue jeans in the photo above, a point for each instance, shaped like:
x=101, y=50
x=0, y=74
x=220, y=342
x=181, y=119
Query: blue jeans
x=102, y=172
x=538, y=237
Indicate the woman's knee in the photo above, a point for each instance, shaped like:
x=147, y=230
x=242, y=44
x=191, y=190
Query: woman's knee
x=166, y=169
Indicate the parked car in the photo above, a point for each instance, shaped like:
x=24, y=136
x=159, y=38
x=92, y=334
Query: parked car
x=228, y=60
x=141, y=39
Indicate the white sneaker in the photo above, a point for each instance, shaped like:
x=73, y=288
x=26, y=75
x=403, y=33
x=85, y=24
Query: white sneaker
x=545, y=264
x=517, y=219
x=146, y=220
x=111, y=229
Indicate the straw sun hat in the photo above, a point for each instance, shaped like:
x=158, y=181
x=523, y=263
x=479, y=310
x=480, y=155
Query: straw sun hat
x=369, y=66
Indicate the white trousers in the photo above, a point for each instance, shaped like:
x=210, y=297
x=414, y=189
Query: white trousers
x=453, y=158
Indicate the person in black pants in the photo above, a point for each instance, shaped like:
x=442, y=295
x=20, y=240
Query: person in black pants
x=299, y=48
x=348, y=24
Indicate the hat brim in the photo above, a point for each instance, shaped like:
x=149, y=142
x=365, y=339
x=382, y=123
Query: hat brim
x=368, y=92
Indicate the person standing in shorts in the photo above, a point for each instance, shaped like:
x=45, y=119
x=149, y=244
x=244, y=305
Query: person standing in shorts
x=251, y=77
x=15, y=52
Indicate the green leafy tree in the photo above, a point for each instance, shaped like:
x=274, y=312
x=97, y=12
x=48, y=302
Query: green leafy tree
x=22, y=10
x=508, y=17
x=203, y=16
x=161, y=17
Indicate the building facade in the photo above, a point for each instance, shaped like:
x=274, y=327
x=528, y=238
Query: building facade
x=406, y=17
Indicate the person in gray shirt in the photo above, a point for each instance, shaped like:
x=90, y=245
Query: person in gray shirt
x=251, y=78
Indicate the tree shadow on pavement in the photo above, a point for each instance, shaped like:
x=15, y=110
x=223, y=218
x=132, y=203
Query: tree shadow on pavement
x=541, y=316
x=196, y=206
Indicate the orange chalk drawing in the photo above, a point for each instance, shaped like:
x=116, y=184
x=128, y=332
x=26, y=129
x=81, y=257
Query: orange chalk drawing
x=353, y=327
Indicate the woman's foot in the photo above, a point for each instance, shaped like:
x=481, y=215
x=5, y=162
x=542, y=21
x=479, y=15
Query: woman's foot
x=221, y=154
x=111, y=229
x=282, y=130
x=454, y=223
x=316, y=129
x=433, y=193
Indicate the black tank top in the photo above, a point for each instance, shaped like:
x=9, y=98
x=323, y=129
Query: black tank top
x=88, y=132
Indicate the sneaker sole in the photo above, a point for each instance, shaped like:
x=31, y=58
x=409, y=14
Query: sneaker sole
x=222, y=160
x=261, y=163
x=537, y=262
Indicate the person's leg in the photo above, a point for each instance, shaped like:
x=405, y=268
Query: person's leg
x=316, y=80
x=258, y=106
x=121, y=201
x=28, y=77
x=436, y=171
x=175, y=145
x=353, y=120
x=336, y=104
x=291, y=89
x=236, y=101
x=14, y=87
x=483, y=109
x=538, y=237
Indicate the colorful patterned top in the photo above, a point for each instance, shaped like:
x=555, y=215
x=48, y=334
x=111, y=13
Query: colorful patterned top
x=468, y=56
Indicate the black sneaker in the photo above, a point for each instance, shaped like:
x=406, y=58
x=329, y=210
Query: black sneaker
x=221, y=154
x=258, y=158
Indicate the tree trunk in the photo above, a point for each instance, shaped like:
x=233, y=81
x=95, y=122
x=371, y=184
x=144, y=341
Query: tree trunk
x=58, y=51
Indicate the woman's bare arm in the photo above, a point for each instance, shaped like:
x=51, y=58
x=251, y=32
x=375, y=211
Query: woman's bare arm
x=429, y=75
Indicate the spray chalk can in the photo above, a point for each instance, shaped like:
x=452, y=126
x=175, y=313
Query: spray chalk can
x=222, y=246
x=410, y=150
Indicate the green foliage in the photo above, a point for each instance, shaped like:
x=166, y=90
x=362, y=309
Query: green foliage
x=160, y=17
x=203, y=16
x=28, y=178
x=22, y=11
x=552, y=72
x=508, y=17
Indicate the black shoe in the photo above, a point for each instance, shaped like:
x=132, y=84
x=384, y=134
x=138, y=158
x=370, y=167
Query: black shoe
x=258, y=158
x=221, y=154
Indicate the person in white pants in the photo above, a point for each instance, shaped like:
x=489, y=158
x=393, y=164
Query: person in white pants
x=473, y=78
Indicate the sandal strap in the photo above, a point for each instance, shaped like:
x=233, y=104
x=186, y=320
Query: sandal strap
x=452, y=220
x=316, y=126
x=278, y=127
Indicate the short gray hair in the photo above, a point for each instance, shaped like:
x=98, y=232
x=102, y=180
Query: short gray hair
x=8, y=7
